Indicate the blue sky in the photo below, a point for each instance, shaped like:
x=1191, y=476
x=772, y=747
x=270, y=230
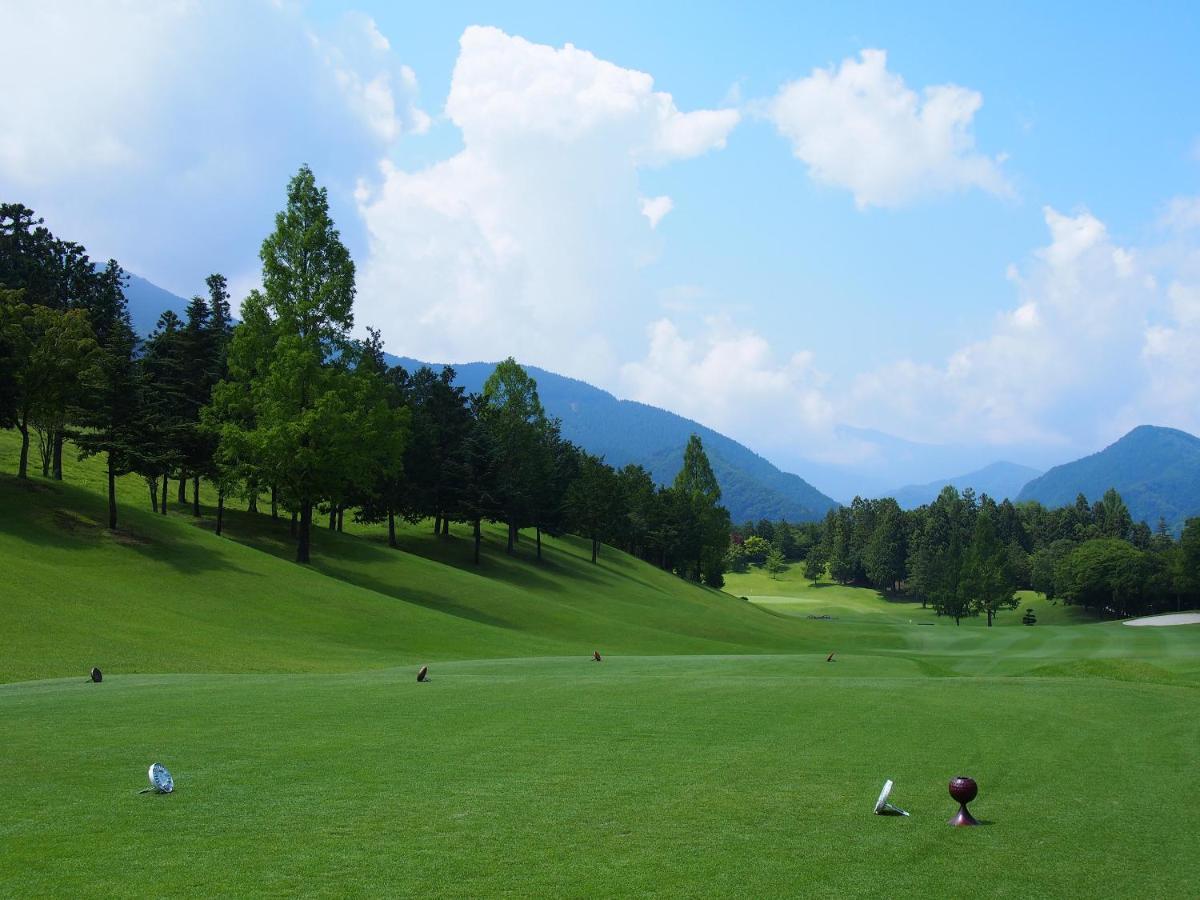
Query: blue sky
x=977, y=227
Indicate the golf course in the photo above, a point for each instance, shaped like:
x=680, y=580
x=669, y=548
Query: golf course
x=713, y=752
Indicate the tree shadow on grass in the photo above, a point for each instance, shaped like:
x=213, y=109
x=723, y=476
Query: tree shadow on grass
x=54, y=515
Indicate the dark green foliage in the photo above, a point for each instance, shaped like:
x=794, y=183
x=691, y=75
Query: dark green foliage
x=887, y=547
x=107, y=412
x=46, y=350
x=703, y=524
x=592, y=501
x=1105, y=574
x=986, y=581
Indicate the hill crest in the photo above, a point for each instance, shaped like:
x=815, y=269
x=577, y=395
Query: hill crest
x=1155, y=469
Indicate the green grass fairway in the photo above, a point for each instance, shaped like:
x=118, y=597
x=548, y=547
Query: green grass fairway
x=713, y=753
x=793, y=594
x=722, y=776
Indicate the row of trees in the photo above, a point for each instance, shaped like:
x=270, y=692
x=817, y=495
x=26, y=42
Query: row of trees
x=967, y=555
x=286, y=404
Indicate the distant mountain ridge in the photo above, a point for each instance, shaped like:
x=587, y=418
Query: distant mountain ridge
x=1155, y=470
x=625, y=431
x=1000, y=481
x=147, y=301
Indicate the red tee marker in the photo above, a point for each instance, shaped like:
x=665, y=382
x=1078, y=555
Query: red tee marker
x=829, y=658
x=596, y=657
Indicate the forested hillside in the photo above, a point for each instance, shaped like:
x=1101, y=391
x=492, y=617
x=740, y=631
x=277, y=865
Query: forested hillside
x=1156, y=470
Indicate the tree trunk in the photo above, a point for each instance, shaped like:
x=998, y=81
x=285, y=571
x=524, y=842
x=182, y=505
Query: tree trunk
x=112, y=494
x=293, y=527
x=332, y=518
x=58, y=445
x=165, y=484
x=23, y=465
x=182, y=498
x=252, y=502
x=989, y=614
x=437, y=523
x=152, y=483
x=391, y=527
x=196, y=496
x=445, y=526
x=539, y=543
x=595, y=549
x=274, y=502
x=341, y=517
x=305, y=528
x=46, y=450
x=220, y=509
x=478, y=538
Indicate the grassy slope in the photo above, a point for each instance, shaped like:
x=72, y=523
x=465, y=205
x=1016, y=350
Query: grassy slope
x=655, y=772
x=166, y=595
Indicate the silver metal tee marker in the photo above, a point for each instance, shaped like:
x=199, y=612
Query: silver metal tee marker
x=882, y=807
x=161, y=781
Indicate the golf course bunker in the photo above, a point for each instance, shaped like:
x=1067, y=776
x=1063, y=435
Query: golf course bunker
x=1170, y=619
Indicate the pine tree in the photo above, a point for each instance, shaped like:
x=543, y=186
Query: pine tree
x=517, y=423
x=302, y=406
x=108, y=413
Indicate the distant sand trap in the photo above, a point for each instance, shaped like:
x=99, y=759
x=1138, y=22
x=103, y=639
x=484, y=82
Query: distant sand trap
x=1172, y=619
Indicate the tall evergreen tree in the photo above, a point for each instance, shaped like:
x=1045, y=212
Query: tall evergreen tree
x=704, y=528
x=517, y=423
x=108, y=413
x=886, y=548
x=301, y=430
x=986, y=583
x=592, y=501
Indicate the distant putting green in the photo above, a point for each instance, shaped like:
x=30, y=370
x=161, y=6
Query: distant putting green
x=714, y=752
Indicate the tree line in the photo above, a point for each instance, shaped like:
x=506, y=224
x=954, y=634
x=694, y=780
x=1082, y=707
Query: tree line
x=967, y=555
x=284, y=407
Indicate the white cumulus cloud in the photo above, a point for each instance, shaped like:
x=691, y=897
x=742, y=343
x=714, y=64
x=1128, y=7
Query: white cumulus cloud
x=729, y=378
x=860, y=127
x=528, y=241
x=1092, y=348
